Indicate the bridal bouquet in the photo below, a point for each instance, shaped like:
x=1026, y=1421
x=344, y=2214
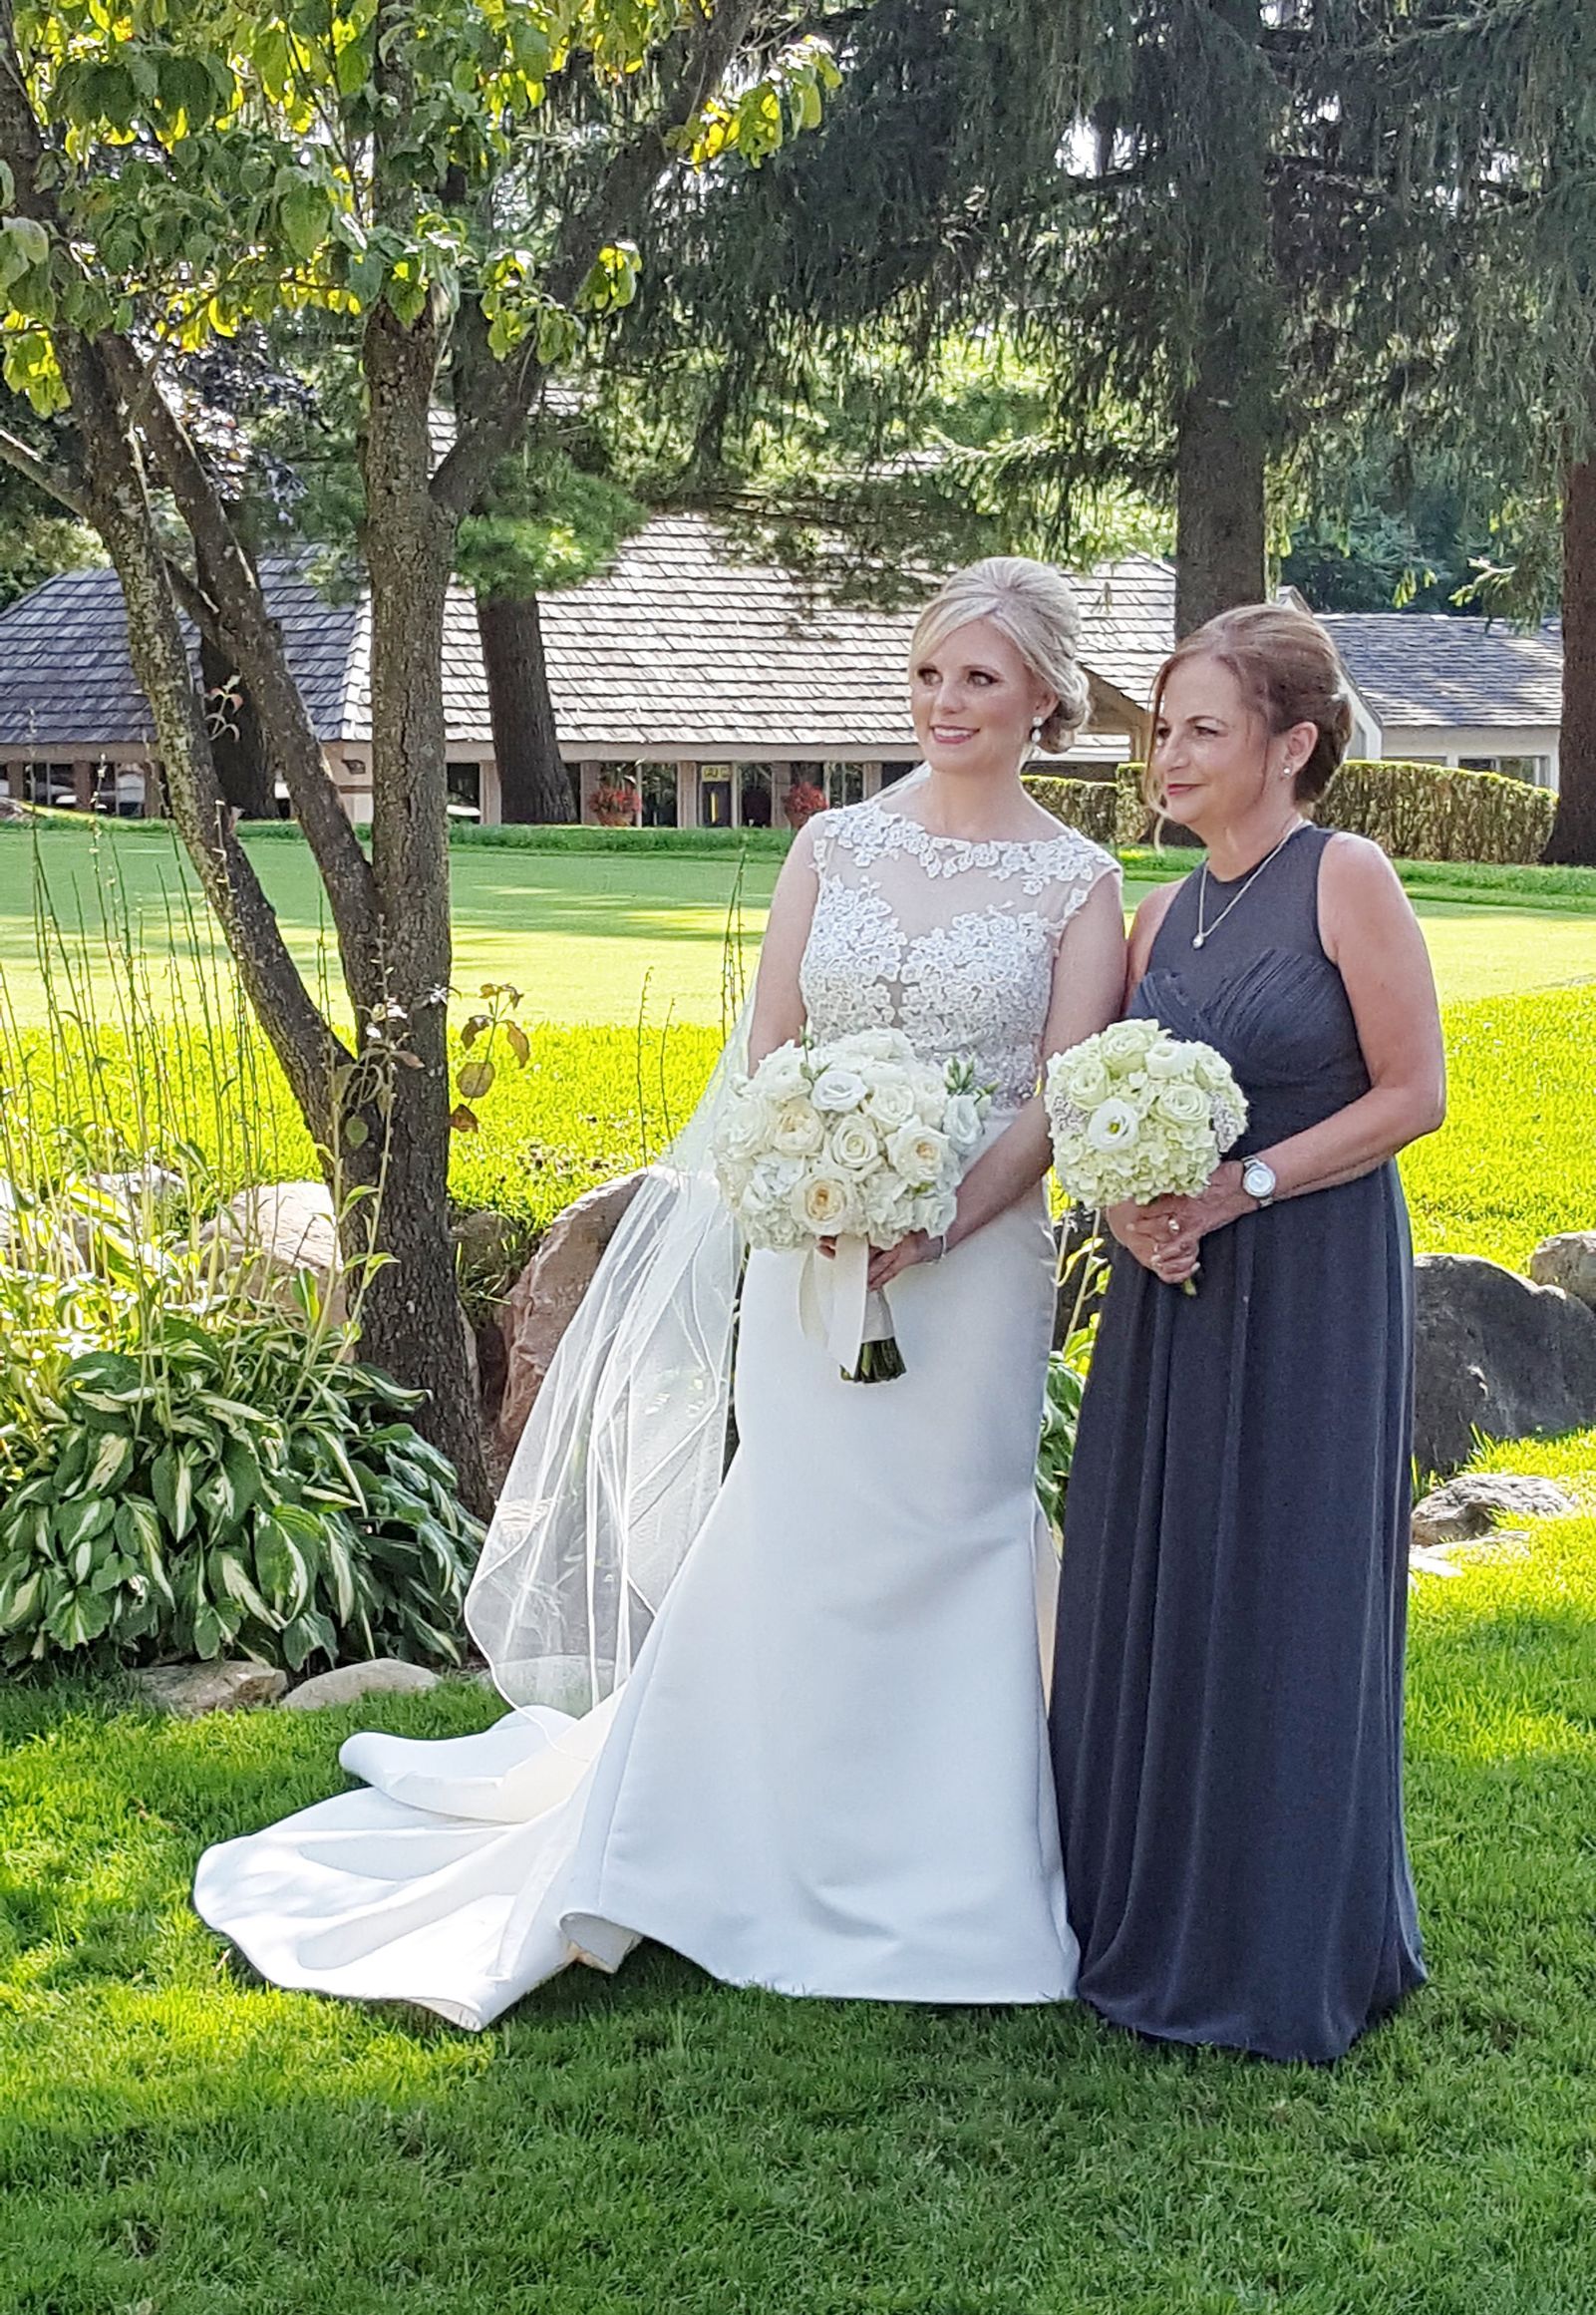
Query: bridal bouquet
x=857, y=1141
x=1137, y=1114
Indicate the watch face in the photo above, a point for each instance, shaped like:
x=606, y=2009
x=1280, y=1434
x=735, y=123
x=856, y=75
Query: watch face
x=1257, y=1180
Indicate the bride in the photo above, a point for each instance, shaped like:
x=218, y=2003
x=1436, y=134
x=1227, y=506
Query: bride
x=791, y=1723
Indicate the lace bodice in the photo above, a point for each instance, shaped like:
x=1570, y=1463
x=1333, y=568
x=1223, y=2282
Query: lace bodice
x=953, y=942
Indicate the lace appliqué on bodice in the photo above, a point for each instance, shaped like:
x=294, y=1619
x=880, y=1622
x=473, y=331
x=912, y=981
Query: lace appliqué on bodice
x=951, y=942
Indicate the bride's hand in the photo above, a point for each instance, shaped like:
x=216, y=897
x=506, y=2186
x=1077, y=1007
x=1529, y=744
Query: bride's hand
x=888, y=1262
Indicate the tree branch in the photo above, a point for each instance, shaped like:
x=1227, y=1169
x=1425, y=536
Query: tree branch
x=613, y=210
x=253, y=637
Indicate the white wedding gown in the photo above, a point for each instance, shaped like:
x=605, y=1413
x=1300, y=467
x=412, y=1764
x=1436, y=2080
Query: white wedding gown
x=827, y=1772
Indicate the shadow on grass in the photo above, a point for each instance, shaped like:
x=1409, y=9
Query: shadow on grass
x=177, y=2135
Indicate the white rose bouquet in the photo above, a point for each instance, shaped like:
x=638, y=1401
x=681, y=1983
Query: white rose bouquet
x=859, y=1141
x=1137, y=1114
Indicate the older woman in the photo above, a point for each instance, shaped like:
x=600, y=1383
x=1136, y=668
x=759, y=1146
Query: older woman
x=1228, y=1689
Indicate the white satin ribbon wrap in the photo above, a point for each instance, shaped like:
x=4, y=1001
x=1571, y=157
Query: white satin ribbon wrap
x=835, y=1305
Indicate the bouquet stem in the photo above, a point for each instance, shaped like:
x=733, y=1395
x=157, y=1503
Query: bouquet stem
x=879, y=1362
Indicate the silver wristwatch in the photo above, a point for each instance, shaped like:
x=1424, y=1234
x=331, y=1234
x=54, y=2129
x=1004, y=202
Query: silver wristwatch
x=1258, y=1180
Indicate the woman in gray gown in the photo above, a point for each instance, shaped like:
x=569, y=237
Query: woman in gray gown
x=1227, y=1697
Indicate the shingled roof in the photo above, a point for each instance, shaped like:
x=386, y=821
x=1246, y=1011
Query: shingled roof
x=684, y=647
x=1422, y=667
x=66, y=680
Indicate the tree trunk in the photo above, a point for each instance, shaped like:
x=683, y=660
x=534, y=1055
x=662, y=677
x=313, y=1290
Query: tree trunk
x=1222, y=479
x=534, y=784
x=411, y=1316
x=236, y=746
x=1573, y=838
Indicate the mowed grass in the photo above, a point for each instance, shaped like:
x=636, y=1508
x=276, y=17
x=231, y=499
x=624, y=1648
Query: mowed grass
x=179, y=2138
x=1515, y=1161
x=595, y=937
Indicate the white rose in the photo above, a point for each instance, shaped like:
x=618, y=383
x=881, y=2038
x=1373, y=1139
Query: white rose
x=918, y=1153
x=1210, y=1069
x=1086, y=1082
x=1112, y=1126
x=836, y=1089
x=1124, y=1044
x=1186, y=1104
x=891, y=1097
x=743, y=1130
x=1171, y=1060
x=961, y=1122
x=880, y=1045
x=854, y=1145
x=795, y=1130
x=825, y=1203
x=781, y=1074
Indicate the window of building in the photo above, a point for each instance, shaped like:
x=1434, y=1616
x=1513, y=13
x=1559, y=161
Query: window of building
x=845, y=783
x=465, y=791
x=658, y=784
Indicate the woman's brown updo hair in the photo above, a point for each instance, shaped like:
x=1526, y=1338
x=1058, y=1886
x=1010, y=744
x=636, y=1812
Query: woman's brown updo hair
x=1289, y=672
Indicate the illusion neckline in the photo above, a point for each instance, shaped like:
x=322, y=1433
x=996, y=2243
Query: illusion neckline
x=965, y=844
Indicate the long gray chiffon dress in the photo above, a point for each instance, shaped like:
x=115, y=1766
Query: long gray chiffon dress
x=1227, y=1697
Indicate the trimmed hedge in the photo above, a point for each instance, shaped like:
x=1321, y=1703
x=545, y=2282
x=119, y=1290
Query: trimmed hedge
x=1092, y=805
x=1414, y=811
x=1433, y=812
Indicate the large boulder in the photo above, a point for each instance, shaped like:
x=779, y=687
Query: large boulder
x=230, y=1685
x=278, y=1228
x=1471, y=1505
x=1495, y=1354
x=540, y=1304
x=347, y=1683
x=1568, y=1261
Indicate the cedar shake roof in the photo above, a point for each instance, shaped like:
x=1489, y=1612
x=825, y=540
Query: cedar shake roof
x=66, y=680
x=684, y=648
x=1422, y=667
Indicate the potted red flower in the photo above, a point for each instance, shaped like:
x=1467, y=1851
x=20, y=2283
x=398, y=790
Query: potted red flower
x=802, y=802
x=617, y=804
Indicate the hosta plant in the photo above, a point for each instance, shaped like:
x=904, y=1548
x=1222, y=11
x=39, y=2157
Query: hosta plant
x=1084, y=1274
x=186, y=1469
x=164, y=1517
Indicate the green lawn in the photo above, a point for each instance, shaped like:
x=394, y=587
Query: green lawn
x=593, y=935
x=179, y=2141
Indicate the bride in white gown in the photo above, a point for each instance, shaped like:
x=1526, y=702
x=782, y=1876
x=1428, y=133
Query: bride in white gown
x=808, y=1746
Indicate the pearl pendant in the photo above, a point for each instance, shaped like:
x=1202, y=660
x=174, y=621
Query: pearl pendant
x=1197, y=939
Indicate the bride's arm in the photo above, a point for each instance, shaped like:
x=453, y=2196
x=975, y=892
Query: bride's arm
x=1089, y=980
x=777, y=1002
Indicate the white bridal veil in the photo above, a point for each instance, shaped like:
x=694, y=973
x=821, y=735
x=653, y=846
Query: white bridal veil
x=623, y=1451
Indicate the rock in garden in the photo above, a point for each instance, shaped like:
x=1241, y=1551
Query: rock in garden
x=1470, y=1504
x=382, y=1676
x=188, y=1690
x=1498, y=1355
x=540, y=1305
x=278, y=1228
x=1568, y=1261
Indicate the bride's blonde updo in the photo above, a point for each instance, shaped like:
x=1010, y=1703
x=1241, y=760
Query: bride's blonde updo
x=1035, y=609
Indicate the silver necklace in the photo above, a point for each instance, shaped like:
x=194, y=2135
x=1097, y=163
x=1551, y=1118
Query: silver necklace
x=1204, y=931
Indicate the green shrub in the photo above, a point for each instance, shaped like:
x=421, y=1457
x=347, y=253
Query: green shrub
x=1432, y=811
x=1414, y=811
x=1092, y=805
x=190, y=1472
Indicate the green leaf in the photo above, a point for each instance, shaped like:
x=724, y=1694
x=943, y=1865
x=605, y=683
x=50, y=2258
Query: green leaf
x=210, y=1634
x=78, y=1620
x=82, y=1519
x=305, y=211
x=18, y=1601
x=171, y=1484
x=111, y=1464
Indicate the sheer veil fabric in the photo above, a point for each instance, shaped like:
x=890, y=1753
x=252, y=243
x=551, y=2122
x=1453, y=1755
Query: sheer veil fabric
x=790, y=1723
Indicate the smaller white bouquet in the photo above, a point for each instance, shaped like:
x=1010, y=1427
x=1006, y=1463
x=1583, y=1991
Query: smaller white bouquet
x=859, y=1140
x=1137, y=1114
